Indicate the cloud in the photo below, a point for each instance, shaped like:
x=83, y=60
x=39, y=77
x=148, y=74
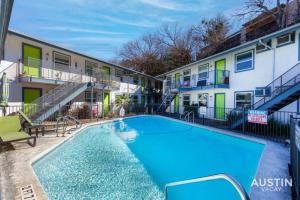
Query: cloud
x=169, y=5
x=86, y=39
x=144, y=23
x=78, y=30
x=161, y=4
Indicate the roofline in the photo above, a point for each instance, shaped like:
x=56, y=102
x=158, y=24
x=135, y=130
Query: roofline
x=274, y=34
x=6, y=9
x=75, y=52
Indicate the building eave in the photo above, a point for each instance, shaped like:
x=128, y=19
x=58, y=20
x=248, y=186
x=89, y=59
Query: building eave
x=244, y=45
x=22, y=35
x=5, y=13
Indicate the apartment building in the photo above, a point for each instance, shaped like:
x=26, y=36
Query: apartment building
x=261, y=73
x=38, y=69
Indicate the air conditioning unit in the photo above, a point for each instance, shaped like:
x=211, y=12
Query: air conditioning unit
x=262, y=91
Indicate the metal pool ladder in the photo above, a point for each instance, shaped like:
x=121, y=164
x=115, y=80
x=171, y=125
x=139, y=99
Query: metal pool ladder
x=186, y=116
x=239, y=188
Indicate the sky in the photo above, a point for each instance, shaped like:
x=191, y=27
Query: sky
x=99, y=28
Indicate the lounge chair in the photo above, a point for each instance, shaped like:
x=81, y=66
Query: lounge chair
x=29, y=124
x=11, y=131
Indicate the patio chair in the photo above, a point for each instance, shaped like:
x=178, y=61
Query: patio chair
x=29, y=124
x=11, y=131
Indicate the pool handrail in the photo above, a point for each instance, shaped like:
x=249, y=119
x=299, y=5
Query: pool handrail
x=64, y=120
x=240, y=189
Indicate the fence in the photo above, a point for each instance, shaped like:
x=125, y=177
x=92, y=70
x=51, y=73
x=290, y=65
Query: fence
x=295, y=156
x=85, y=112
x=277, y=128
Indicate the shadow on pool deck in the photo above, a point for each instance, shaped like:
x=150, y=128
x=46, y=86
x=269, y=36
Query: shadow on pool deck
x=16, y=170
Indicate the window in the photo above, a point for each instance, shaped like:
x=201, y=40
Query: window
x=61, y=61
x=203, y=71
x=88, y=96
x=136, y=80
x=261, y=47
x=186, y=78
x=286, y=39
x=119, y=73
x=244, y=61
x=90, y=68
x=243, y=99
x=169, y=80
x=203, y=99
x=186, y=100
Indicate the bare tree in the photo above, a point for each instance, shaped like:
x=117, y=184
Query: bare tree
x=211, y=33
x=144, y=54
x=280, y=12
x=178, y=44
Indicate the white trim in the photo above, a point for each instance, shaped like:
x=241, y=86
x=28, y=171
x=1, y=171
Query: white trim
x=249, y=59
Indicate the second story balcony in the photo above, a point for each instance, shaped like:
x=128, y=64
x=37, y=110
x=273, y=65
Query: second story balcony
x=201, y=81
x=34, y=70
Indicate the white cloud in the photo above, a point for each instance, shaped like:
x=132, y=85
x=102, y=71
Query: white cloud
x=169, y=5
x=161, y=4
x=78, y=30
x=146, y=24
x=85, y=39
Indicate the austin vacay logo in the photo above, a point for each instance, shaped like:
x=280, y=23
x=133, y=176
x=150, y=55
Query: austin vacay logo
x=272, y=184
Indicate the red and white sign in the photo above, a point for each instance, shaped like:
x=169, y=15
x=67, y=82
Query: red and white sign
x=258, y=116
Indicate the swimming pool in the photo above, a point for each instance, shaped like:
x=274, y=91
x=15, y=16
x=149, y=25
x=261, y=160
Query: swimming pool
x=135, y=158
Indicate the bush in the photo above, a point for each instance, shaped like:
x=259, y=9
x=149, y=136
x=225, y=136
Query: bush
x=81, y=112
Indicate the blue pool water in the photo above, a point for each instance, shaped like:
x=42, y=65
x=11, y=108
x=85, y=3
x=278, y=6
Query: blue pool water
x=133, y=159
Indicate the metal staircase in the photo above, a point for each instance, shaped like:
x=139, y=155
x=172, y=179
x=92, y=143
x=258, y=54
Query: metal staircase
x=281, y=92
x=168, y=97
x=48, y=104
x=45, y=106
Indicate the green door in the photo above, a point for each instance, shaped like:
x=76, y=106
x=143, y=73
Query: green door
x=143, y=100
x=220, y=67
x=142, y=84
x=106, y=74
x=106, y=103
x=29, y=95
x=177, y=80
x=220, y=106
x=32, y=60
x=176, y=104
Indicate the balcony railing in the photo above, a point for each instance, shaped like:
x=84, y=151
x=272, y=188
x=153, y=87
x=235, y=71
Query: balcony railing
x=152, y=91
x=31, y=67
x=214, y=78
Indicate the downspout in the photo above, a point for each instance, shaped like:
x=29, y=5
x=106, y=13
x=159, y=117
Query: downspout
x=274, y=57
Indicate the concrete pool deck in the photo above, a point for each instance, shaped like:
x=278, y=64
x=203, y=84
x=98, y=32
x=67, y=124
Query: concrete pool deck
x=16, y=170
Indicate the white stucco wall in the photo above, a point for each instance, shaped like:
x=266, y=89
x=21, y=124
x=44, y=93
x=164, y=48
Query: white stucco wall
x=262, y=74
x=13, y=54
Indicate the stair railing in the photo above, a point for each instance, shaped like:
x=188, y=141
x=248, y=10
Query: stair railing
x=280, y=84
x=166, y=96
x=53, y=95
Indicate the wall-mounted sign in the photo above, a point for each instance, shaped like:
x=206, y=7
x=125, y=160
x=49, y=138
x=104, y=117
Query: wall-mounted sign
x=297, y=136
x=258, y=116
x=202, y=110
